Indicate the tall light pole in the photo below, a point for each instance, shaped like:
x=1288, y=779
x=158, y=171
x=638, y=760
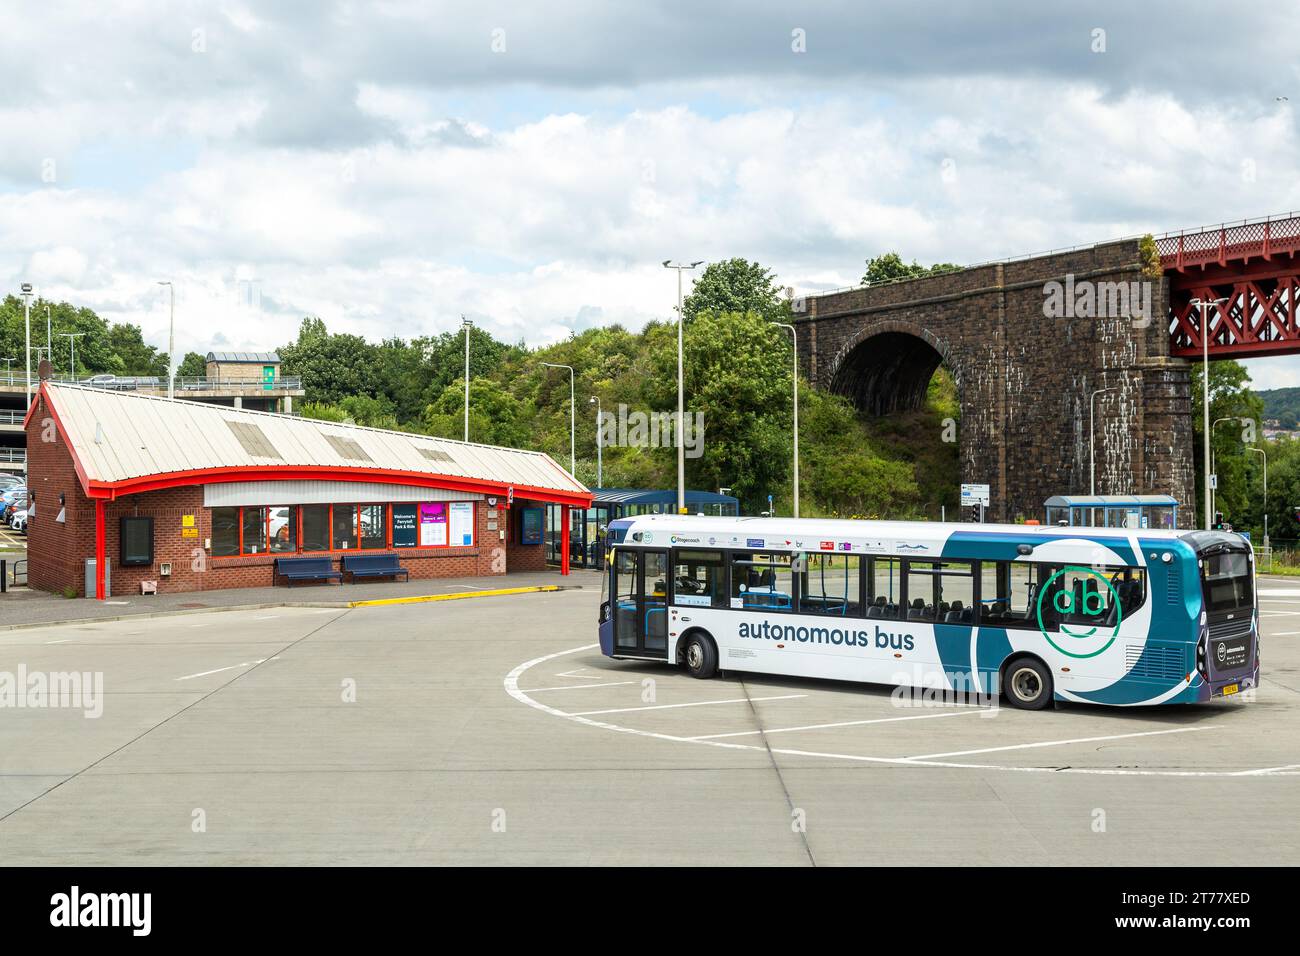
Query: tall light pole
x=72, y=347
x=600, y=447
x=681, y=403
x=1263, y=454
x=794, y=336
x=1204, y=306
x=27, y=348
x=466, y=324
x=1092, y=450
x=1214, y=468
x=573, y=451
x=49, y=345
x=171, y=342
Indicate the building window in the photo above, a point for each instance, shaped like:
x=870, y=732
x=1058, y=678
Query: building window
x=254, y=525
x=315, y=527
x=283, y=528
x=344, y=528
x=374, y=534
x=225, y=532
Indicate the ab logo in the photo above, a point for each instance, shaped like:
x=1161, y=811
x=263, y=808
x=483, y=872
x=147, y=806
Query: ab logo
x=1087, y=611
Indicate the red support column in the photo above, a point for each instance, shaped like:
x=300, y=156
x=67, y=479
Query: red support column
x=100, y=552
x=564, y=539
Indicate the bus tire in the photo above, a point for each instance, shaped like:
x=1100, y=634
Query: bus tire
x=1027, y=684
x=699, y=655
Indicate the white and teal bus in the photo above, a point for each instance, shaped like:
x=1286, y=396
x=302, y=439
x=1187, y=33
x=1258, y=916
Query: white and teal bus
x=1092, y=615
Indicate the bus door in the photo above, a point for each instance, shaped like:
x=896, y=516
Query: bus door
x=641, y=603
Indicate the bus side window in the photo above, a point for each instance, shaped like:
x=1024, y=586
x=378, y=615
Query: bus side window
x=698, y=579
x=884, y=587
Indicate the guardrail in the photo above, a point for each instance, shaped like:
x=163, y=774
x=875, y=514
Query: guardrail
x=185, y=383
x=15, y=456
x=11, y=417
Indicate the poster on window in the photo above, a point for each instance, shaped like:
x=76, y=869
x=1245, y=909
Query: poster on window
x=433, y=525
x=462, y=522
x=405, y=526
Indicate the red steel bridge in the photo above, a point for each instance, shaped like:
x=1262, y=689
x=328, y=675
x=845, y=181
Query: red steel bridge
x=1252, y=264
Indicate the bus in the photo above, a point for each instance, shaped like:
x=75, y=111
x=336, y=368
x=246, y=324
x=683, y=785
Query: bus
x=1035, y=613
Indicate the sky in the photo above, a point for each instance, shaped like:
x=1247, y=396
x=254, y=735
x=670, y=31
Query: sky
x=392, y=166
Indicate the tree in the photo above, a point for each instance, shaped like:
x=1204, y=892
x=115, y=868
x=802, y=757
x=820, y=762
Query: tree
x=1230, y=397
x=193, y=365
x=736, y=286
x=332, y=366
x=890, y=267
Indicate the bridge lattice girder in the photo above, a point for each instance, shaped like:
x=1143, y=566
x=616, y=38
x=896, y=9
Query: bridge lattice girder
x=1255, y=267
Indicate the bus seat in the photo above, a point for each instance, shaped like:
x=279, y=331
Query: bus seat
x=875, y=610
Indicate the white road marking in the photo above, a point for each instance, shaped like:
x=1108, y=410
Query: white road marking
x=63, y=641
x=845, y=723
x=698, y=703
x=616, y=683
x=220, y=669
x=1284, y=634
x=1058, y=743
x=511, y=685
x=576, y=676
x=1280, y=592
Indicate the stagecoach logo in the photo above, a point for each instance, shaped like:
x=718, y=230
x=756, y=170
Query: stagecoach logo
x=681, y=539
x=1082, y=609
x=1222, y=653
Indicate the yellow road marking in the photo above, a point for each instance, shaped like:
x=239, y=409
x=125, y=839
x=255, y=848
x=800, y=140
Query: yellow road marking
x=457, y=596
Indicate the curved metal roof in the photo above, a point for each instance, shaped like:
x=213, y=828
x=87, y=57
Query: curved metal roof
x=123, y=442
x=653, y=496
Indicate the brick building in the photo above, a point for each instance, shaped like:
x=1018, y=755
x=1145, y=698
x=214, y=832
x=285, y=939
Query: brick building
x=199, y=497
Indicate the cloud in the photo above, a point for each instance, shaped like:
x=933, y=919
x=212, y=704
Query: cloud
x=387, y=170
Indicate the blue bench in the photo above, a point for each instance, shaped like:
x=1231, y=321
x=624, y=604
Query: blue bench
x=307, y=569
x=373, y=566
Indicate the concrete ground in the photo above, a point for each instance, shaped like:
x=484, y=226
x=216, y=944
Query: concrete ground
x=23, y=607
x=491, y=731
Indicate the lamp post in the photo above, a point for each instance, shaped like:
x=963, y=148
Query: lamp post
x=466, y=324
x=72, y=348
x=681, y=403
x=600, y=420
x=573, y=451
x=49, y=345
x=27, y=325
x=1092, y=451
x=794, y=336
x=1214, y=470
x=1263, y=454
x=1204, y=306
x=171, y=342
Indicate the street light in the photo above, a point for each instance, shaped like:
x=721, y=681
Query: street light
x=171, y=343
x=681, y=404
x=49, y=346
x=1214, y=492
x=795, y=339
x=600, y=419
x=573, y=454
x=1263, y=454
x=466, y=324
x=1092, y=450
x=72, y=347
x=1204, y=306
x=27, y=325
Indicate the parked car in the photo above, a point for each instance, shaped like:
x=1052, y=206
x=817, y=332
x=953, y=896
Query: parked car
x=10, y=498
x=19, y=521
x=103, y=381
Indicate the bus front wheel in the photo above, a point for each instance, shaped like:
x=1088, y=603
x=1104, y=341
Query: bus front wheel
x=700, y=656
x=1028, y=684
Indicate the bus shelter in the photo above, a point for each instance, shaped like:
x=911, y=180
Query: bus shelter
x=1113, y=511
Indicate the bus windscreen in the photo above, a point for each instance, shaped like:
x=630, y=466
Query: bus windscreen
x=1226, y=582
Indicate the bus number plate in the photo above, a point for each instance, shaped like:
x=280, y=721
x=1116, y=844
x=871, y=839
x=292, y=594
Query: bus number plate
x=1230, y=690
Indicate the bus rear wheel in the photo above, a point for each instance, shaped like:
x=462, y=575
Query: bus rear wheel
x=700, y=656
x=1028, y=684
